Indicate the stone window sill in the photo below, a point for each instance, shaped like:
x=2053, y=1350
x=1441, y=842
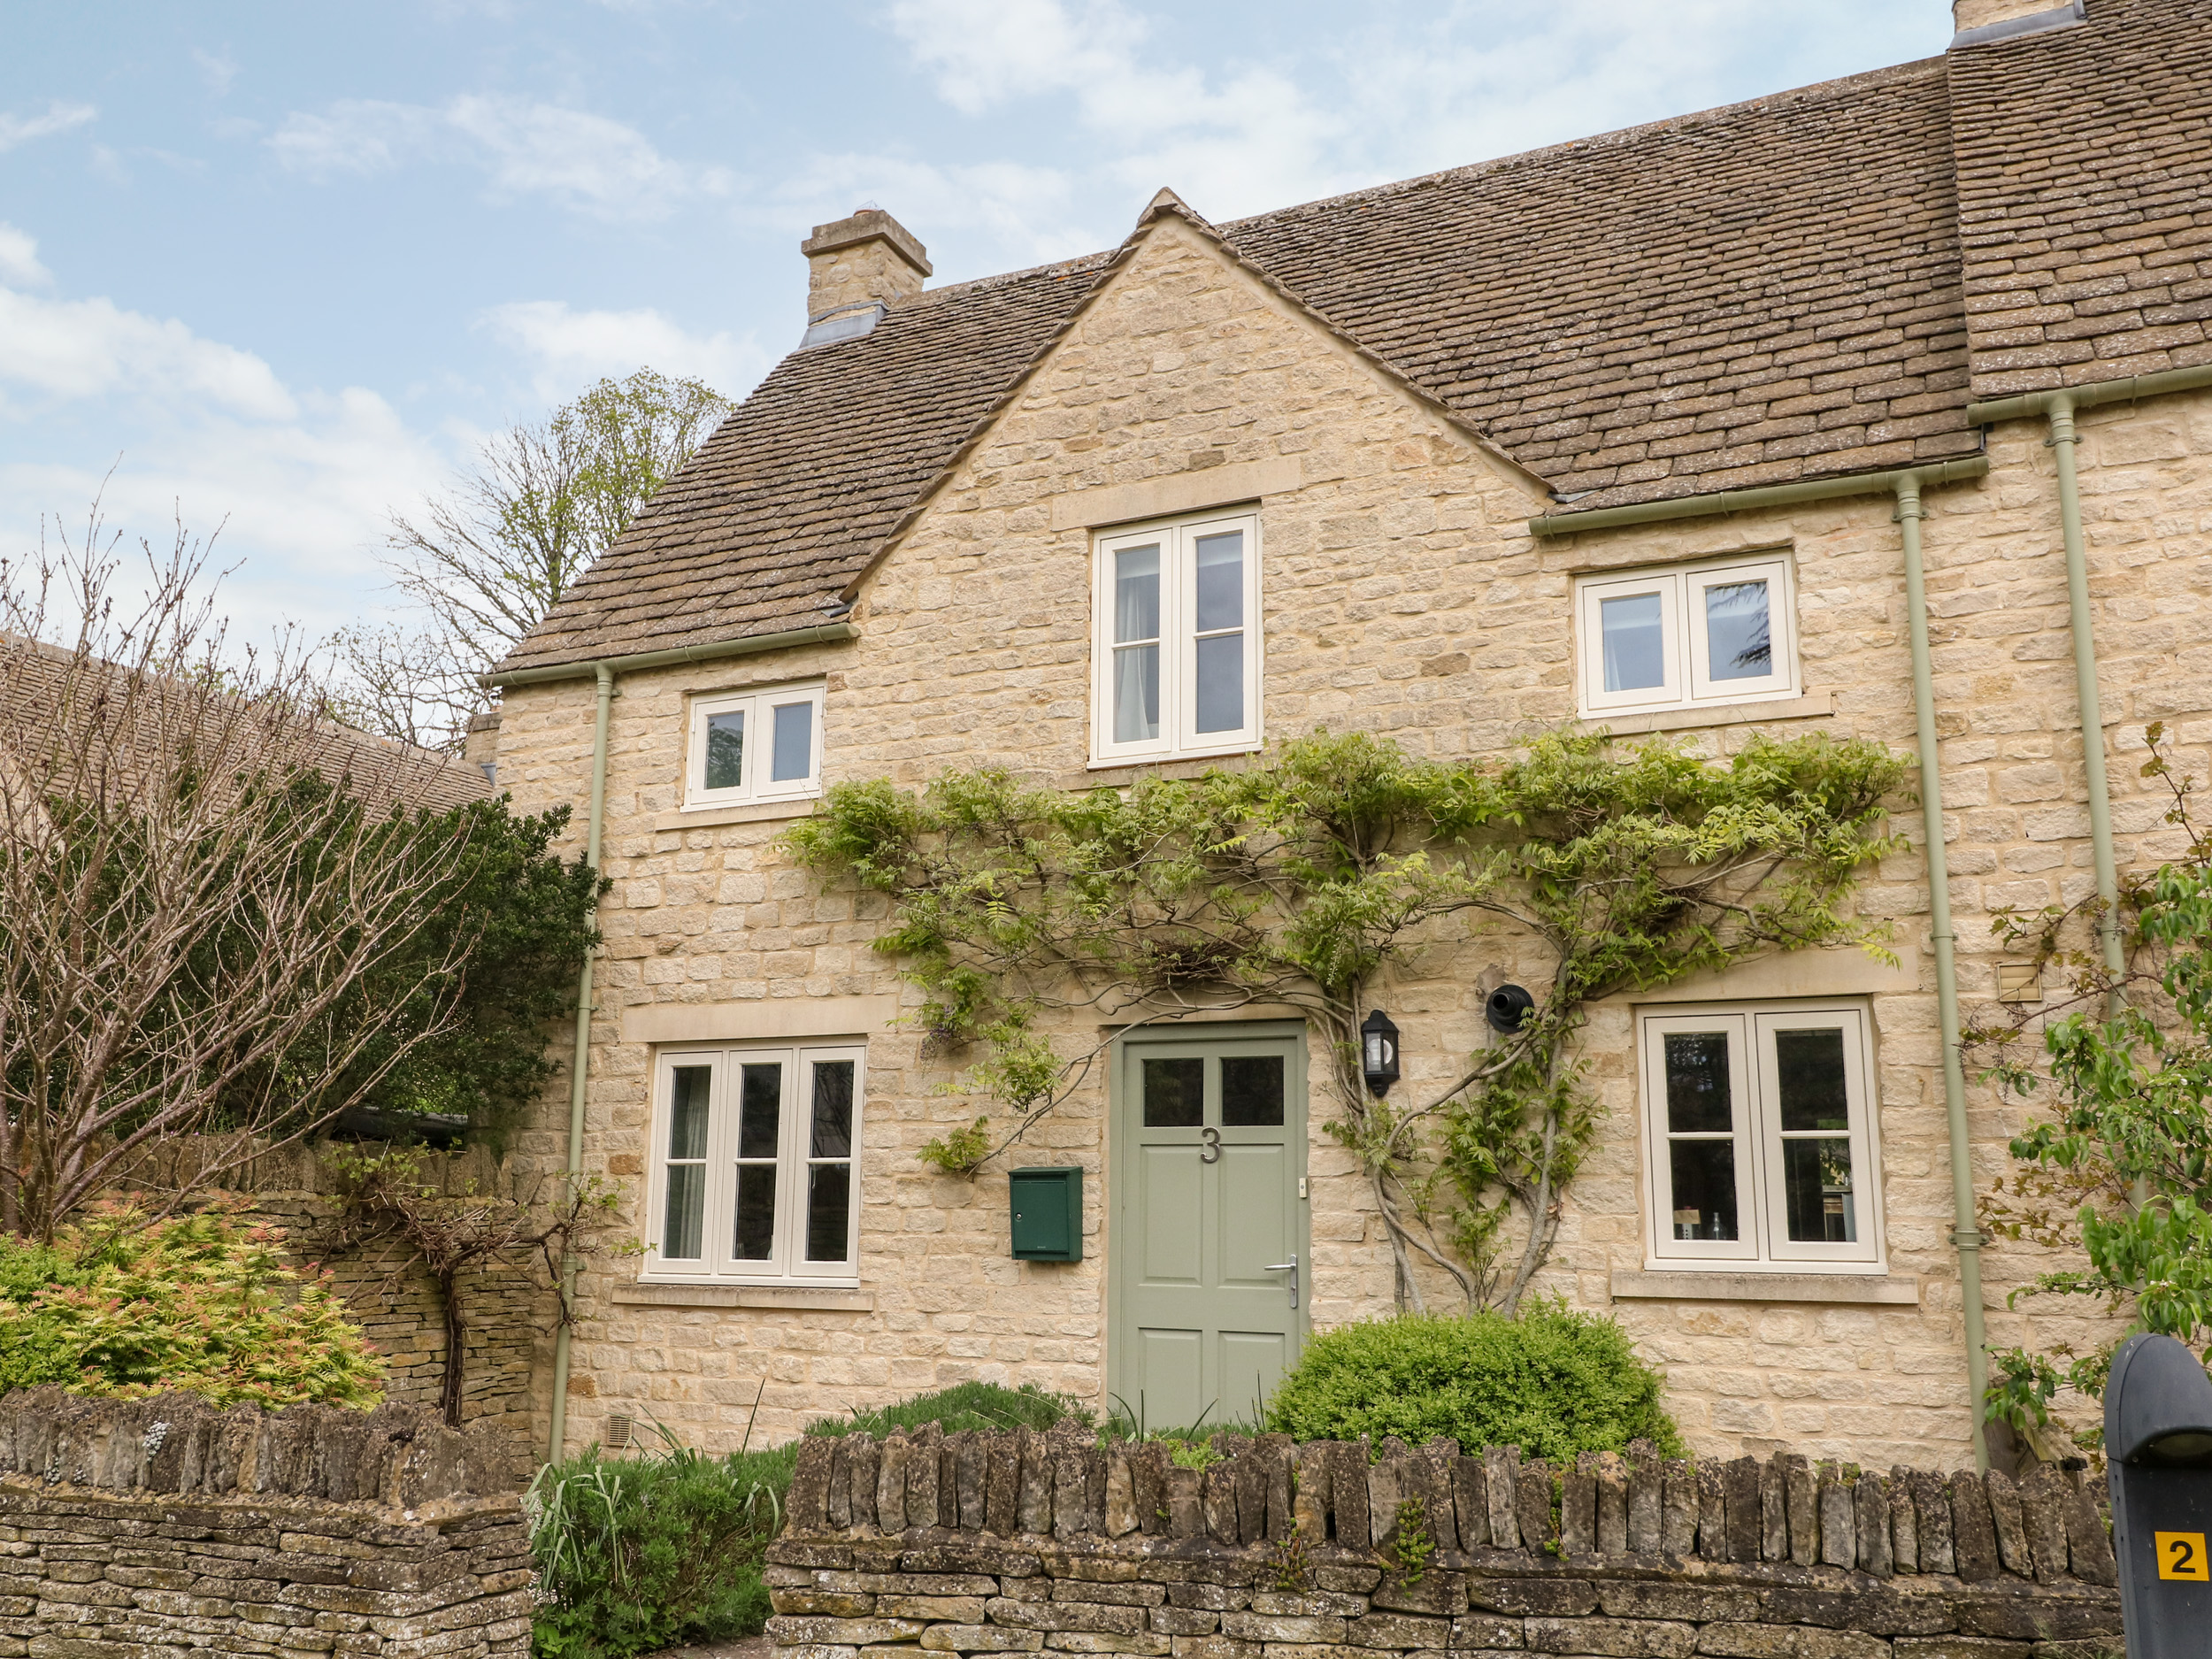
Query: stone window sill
x=1865, y=1288
x=751, y=812
x=807, y=1298
x=1811, y=706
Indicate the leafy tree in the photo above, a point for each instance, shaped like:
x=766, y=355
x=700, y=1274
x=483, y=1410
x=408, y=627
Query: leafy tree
x=124, y=1305
x=2121, y=1174
x=1310, y=880
x=484, y=563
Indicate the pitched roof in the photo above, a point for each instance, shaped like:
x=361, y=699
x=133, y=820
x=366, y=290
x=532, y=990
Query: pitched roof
x=1755, y=294
x=2085, y=173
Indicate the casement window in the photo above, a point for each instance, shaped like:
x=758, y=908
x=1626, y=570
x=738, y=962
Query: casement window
x=1758, y=1137
x=1670, y=639
x=755, y=1171
x=755, y=746
x=1176, y=641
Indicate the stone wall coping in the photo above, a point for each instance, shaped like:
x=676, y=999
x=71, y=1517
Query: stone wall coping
x=1897, y=1289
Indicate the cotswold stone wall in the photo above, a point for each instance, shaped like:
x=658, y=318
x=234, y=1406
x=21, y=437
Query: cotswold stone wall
x=163, y=1526
x=1027, y=1542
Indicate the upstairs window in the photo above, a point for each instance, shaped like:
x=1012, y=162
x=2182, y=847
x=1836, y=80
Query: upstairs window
x=754, y=1173
x=1759, y=1140
x=1176, y=641
x=755, y=746
x=1671, y=639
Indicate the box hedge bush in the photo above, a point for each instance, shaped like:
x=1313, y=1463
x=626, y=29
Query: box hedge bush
x=1552, y=1381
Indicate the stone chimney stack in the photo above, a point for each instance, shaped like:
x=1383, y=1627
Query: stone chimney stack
x=852, y=264
x=1980, y=14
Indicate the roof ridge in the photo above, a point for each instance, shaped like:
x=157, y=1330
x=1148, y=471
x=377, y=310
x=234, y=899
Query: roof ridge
x=1071, y=266
x=1914, y=68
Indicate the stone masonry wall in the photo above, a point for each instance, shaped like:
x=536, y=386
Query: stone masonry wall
x=1027, y=1542
x=1400, y=594
x=165, y=1526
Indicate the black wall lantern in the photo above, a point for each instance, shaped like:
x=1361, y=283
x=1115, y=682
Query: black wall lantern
x=1506, y=1007
x=1378, y=1052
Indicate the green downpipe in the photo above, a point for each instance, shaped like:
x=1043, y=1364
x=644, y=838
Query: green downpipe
x=1965, y=1235
x=580, y=1065
x=2061, y=411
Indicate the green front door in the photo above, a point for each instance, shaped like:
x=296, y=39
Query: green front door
x=1210, y=1261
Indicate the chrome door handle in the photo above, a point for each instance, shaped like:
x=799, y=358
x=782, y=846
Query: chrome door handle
x=1290, y=1267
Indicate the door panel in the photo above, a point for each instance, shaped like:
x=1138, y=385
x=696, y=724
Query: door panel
x=1171, y=1184
x=1208, y=1147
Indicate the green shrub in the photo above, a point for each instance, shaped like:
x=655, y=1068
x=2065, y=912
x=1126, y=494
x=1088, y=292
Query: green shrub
x=119, y=1306
x=638, y=1554
x=970, y=1405
x=1553, y=1382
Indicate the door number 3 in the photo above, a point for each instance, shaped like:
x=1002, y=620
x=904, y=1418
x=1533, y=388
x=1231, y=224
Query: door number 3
x=1209, y=1147
x=2181, y=1556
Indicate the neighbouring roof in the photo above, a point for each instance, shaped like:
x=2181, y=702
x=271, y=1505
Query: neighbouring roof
x=1765, y=293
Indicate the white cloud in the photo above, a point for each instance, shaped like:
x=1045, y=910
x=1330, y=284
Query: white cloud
x=302, y=479
x=59, y=117
x=19, y=259
x=586, y=162
x=75, y=349
x=1028, y=211
x=217, y=69
x=568, y=349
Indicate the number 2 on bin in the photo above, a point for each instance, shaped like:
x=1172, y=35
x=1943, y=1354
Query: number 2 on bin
x=2181, y=1556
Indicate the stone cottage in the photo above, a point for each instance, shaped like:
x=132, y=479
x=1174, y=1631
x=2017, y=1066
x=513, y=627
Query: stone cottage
x=1908, y=367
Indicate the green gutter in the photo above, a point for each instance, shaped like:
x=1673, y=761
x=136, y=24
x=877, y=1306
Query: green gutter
x=580, y=1065
x=827, y=634
x=1768, y=496
x=1965, y=1235
x=2125, y=390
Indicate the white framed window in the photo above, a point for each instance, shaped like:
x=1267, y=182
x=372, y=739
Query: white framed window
x=764, y=745
x=1667, y=639
x=1759, y=1144
x=755, y=1172
x=1176, y=639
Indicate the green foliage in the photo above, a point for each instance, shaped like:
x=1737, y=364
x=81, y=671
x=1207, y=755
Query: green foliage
x=1409, y=1544
x=1552, y=1381
x=2122, y=1173
x=1310, y=879
x=123, y=1307
x=960, y=1151
x=639, y=1554
x=968, y=1405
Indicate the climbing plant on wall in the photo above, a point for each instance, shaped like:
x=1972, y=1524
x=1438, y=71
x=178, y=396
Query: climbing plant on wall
x=1316, y=877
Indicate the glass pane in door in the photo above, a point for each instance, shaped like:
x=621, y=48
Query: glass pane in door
x=1252, y=1091
x=1174, y=1093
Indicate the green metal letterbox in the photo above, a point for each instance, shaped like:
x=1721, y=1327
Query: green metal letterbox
x=1047, y=1206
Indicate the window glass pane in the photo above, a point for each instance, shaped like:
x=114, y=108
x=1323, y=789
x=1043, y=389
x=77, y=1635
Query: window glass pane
x=1221, y=683
x=1174, y=1093
x=726, y=750
x=1252, y=1091
x=759, y=1112
x=833, y=1110
x=1220, y=581
x=687, y=1212
x=1136, y=594
x=828, y=1206
x=1704, y=1177
x=1737, y=642
x=1136, y=694
x=688, y=1111
x=791, y=755
x=1809, y=1065
x=755, y=1237
x=1698, y=1100
x=1634, y=641
x=1816, y=1190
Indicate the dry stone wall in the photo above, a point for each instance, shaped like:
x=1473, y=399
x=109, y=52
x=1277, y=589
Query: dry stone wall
x=164, y=1526
x=1022, y=1541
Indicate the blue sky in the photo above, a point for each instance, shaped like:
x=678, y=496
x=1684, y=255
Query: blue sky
x=280, y=267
